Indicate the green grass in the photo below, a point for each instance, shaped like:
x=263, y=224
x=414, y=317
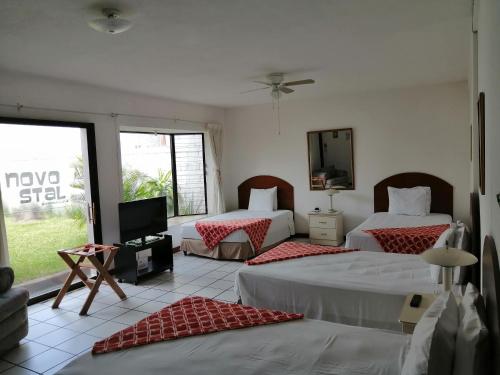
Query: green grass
x=33, y=245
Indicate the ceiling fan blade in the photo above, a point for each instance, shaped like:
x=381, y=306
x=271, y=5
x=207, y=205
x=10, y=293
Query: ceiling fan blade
x=263, y=83
x=286, y=90
x=260, y=88
x=301, y=82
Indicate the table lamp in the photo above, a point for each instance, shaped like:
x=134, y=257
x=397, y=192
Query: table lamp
x=448, y=258
x=331, y=192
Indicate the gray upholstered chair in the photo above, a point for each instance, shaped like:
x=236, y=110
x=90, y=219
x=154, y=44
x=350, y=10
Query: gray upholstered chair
x=13, y=311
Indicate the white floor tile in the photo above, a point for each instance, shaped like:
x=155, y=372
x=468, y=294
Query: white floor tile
x=203, y=281
x=18, y=371
x=110, y=312
x=39, y=330
x=217, y=274
x=24, y=352
x=151, y=294
x=77, y=344
x=222, y=284
x=84, y=324
x=64, y=319
x=130, y=317
x=171, y=297
x=5, y=365
x=131, y=302
x=227, y=296
x=208, y=292
x=46, y=360
x=106, y=329
x=46, y=314
x=56, y=337
x=151, y=307
x=188, y=289
x=60, y=366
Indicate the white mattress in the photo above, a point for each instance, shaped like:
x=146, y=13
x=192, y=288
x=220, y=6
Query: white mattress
x=276, y=349
x=282, y=226
x=360, y=288
x=357, y=239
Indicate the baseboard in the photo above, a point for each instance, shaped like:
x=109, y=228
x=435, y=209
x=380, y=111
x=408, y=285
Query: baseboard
x=300, y=235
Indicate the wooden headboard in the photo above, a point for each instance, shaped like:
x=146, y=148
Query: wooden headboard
x=285, y=191
x=475, y=244
x=441, y=191
x=491, y=296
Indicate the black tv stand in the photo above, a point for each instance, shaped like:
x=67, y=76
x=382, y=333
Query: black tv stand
x=126, y=267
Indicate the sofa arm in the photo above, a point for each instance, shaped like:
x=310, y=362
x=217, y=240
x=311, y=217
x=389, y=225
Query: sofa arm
x=6, y=279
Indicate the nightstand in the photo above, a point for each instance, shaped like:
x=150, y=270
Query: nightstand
x=326, y=228
x=410, y=316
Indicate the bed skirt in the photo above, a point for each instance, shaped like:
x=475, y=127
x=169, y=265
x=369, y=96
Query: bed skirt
x=224, y=250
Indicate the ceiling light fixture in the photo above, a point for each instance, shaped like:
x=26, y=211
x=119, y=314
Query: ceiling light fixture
x=111, y=23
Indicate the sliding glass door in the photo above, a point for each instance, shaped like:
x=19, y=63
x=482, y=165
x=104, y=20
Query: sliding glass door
x=48, y=180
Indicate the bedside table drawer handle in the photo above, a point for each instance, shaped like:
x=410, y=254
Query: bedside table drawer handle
x=324, y=234
x=322, y=222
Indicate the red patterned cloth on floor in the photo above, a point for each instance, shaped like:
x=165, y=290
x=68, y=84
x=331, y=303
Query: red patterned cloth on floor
x=190, y=316
x=293, y=250
x=413, y=240
x=213, y=232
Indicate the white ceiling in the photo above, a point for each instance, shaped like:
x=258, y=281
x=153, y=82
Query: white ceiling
x=207, y=51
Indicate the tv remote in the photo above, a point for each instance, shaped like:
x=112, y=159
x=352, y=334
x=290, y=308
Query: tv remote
x=416, y=300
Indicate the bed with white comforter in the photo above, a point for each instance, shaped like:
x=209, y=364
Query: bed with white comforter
x=237, y=245
x=362, y=288
x=276, y=349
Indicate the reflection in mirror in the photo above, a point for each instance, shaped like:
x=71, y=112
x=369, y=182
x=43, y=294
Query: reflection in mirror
x=331, y=159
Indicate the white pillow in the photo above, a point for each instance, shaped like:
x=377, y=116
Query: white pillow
x=471, y=352
x=432, y=348
x=408, y=201
x=262, y=199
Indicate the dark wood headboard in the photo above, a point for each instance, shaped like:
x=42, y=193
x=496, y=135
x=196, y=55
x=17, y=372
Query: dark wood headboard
x=441, y=191
x=475, y=245
x=285, y=191
x=491, y=296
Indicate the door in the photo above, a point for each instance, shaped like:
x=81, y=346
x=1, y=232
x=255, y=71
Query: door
x=48, y=180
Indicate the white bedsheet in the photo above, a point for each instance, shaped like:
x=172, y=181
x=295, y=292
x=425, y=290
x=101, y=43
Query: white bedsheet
x=360, y=288
x=282, y=226
x=275, y=349
x=364, y=241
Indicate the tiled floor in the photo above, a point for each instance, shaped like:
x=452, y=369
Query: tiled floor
x=56, y=336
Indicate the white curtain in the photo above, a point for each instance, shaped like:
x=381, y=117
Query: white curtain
x=4, y=253
x=214, y=132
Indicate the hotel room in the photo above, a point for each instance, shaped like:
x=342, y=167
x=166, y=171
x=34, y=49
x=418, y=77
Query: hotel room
x=249, y=187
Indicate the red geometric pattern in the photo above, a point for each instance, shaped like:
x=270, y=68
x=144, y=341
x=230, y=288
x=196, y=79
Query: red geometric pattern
x=293, y=250
x=408, y=240
x=190, y=316
x=213, y=232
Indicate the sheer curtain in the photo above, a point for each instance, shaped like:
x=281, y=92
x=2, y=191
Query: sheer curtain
x=214, y=132
x=4, y=253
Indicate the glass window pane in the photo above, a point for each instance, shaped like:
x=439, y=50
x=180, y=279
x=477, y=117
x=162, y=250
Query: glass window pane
x=147, y=167
x=190, y=174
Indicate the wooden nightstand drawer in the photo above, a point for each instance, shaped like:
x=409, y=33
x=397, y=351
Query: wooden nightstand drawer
x=322, y=222
x=323, y=233
x=325, y=242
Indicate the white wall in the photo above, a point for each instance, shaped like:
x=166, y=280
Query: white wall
x=422, y=129
x=489, y=83
x=43, y=92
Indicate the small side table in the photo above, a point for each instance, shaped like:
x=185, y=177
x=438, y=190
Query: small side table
x=410, y=316
x=326, y=228
x=89, y=252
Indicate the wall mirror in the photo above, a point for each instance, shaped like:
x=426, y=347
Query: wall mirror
x=331, y=162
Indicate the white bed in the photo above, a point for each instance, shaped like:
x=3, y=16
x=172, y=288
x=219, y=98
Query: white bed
x=357, y=239
x=361, y=288
x=282, y=348
x=282, y=226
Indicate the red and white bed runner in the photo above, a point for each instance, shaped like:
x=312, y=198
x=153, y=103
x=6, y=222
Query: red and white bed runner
x=190, y=316
x=293, y=250
x=213, y=232
x=413, y=240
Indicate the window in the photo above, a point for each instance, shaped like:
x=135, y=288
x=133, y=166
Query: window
x=165, y=164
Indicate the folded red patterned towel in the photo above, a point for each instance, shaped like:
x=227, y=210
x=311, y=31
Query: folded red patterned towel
x=190, y=316
x=292, y=250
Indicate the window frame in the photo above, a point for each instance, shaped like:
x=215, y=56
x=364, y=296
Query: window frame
x=173, y=164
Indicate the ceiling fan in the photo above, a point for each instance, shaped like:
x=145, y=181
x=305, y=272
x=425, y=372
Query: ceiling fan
x=277, y=86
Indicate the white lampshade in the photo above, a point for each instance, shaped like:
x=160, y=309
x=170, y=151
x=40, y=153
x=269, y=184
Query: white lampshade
x=448, y=257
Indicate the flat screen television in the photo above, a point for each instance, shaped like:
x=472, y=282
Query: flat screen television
x=142, y=218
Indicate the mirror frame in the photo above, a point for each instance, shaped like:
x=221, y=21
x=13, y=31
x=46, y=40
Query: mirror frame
x=352, y=156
